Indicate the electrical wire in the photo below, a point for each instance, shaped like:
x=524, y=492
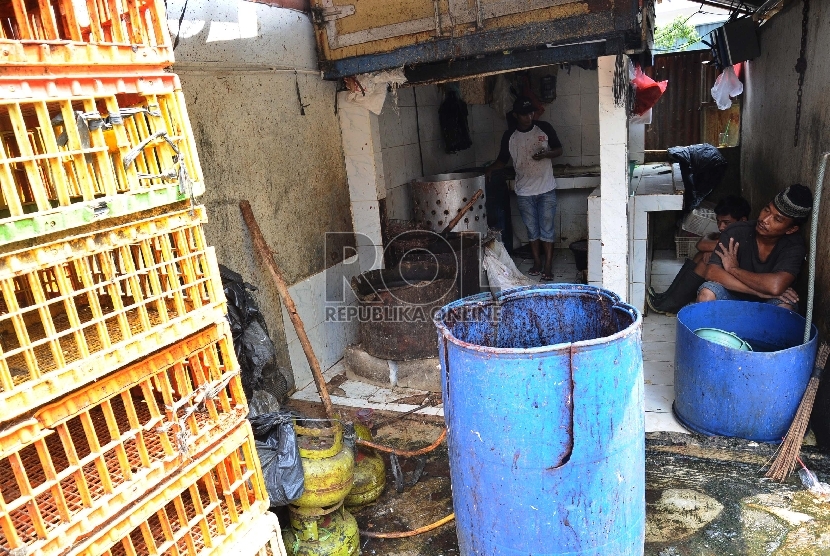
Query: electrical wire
x=412, y=533
x=404, y=453
x=683, y=46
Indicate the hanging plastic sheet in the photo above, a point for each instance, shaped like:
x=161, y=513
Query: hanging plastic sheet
x=727, y=86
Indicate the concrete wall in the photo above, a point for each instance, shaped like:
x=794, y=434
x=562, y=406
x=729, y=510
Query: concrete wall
x=412, y=146
x=769, y=162
x=237, y=62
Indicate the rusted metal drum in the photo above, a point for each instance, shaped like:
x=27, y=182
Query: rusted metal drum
x=396, y=307
x=543, y=400
x=437, y=199
x=459, y=253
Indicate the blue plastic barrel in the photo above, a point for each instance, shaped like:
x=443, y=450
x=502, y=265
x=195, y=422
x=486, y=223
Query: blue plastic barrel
x=543, y=400
x=721, y=391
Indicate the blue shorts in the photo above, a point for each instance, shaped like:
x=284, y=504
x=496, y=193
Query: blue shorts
x=538, y=212
x=722, y=294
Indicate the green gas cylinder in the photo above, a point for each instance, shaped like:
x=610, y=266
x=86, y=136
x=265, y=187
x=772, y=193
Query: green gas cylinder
x=369, y=472
x=328, y=465
x=322, y=532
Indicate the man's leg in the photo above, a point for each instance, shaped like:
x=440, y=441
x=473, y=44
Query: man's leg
x=713, y=291
x=497, y=204
x=779, y=303
x=683, y=290
x=546, y=215
x=527, y=208
x=535, y=248
x=705, y=294
x=547, y=271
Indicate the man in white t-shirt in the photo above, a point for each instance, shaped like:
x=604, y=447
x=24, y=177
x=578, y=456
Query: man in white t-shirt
x=532, y=145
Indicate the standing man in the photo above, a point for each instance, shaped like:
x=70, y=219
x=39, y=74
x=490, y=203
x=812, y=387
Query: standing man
x=532, y=145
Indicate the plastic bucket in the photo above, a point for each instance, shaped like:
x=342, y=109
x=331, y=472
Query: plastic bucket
x=580, y=251
x=543, y=399
x=722, y=391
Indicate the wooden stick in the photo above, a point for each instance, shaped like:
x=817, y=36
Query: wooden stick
x=454, y=222
x=268, y=256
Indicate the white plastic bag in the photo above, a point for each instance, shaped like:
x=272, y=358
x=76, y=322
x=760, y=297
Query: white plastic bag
x=374, y=86
x=817, y=488
x=644, y=118
x=503, y=99
x=726, y=85
x=501, y=272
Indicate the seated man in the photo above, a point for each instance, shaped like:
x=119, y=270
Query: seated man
x=759, y=261
x=729, y=210
x=683, y=289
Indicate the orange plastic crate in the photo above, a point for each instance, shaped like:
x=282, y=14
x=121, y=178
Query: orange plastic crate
x=81, y=460
x=203, y=511
x=76, y=309
x=60, y=33
x=78, y=149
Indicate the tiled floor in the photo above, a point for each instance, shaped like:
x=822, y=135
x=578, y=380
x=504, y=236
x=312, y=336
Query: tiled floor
x=658, y=359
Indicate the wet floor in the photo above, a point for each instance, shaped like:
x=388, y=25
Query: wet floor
x=705, y=497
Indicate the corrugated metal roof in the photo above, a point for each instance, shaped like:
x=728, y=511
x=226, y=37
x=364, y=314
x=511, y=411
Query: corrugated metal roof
x=676, y=116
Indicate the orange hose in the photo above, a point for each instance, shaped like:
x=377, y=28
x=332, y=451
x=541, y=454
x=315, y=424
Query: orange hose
x=404, y=453
x=412, y=533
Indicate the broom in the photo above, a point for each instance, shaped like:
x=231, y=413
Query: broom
x=787, y=452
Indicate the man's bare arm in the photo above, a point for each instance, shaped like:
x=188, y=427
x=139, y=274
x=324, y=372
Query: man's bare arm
x=714, y=273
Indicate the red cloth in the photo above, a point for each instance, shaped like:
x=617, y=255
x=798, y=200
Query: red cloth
x=647, y=91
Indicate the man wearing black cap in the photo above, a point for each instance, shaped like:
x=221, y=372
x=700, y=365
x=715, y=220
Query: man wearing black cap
x=531, y=146
x=759, y=261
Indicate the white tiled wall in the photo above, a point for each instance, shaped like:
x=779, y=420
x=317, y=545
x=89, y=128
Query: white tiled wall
x=615, y=183
x=436, y=160
x=574, y=115
x=595, y=238
x=312, y=297
x=360, y=132
x=400, y=151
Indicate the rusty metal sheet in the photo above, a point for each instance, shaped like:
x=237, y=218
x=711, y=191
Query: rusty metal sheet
x=357, y=36
x=676, y=116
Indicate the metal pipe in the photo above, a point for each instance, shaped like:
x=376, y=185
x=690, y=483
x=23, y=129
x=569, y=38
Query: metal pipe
x=811, y=285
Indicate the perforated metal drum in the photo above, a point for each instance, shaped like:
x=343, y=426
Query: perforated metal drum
x=437, y=199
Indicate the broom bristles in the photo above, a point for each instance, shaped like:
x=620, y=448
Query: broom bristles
x=787, y=452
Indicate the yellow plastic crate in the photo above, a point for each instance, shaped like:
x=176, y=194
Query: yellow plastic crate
x=60, y=33
x=264, y=538
x=204, y=510
x=89, y=456
x=76, y=309
x=78, y=149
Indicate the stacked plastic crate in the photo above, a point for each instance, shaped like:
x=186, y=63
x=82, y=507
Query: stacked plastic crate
x=122, y=417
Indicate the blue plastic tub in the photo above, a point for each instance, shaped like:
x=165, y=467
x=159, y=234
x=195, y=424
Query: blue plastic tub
x=543, y=399
x=723, y=391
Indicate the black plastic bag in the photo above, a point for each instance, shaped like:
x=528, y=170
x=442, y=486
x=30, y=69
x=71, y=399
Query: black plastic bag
x=452, y=115
x=254, y=349
x=279, y=456
x=702, y=167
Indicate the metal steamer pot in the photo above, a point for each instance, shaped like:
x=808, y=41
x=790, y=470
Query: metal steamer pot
x=437, y=199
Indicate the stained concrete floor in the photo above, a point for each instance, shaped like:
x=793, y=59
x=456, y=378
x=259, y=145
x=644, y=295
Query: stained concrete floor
x=705, y=496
